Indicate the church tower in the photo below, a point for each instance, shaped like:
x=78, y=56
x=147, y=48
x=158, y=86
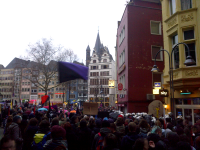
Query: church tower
x=87, y=55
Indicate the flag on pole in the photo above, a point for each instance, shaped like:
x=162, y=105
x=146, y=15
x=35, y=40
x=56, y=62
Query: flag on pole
x=44, y=99
x=70, y=71
x=11, y=104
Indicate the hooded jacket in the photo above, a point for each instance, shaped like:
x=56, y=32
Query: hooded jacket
x=103, y=132
x=15, y=132
x=129, y=140
x=143, y=132
x=56, y=144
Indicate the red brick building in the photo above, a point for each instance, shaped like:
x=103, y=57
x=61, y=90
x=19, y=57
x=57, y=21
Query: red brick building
x=139, y=38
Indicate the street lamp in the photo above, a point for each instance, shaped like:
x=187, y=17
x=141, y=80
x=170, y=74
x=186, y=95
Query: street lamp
x=188, y=62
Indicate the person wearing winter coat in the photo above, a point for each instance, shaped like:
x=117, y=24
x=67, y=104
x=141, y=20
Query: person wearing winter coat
x=29, y=133
x=144, y=128
x=103, y=132
x=110, y=142
x=15, y=132
x=71, y=137
x=84, y=135
x=58, y=141
x=129, y=140
x=120, y=128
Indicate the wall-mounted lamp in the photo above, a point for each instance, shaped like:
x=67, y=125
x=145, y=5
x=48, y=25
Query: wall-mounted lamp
x=165, y=105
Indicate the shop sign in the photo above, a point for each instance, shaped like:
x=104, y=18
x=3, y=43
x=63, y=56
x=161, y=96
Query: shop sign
x=164, y=93
x=120, y=86
x=155, y=91
x=122, y=69
x=111, y=83
x=157, y=85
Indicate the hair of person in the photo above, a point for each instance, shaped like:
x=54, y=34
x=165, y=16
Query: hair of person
x=9, y=121
x=45, y=118
x=120, y=121
x=132, y=127
x=143, y=124
x=113, y=126
x=136, y=121
x=153, y=137
x=73, y=118
x=139, y=144
x=173, y=138
x=58, y=132
x=5, y=139
x=170, y=126
x=111, y=140
x=67, y=126
x=55, y=121
x=184, y=138
x=105, y=124
x=83, y=123
x=44, y=124
x=98, y=123
x=158, y=123
x=179, y=131
x=183, y=146
x=92, y=122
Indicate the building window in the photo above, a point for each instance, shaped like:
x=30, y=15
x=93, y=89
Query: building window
x=94, y=61
x=156, y=27
x=176, y=52
x=172, y=4
x=154, y=50
x=186, y=4
x=104, y=66
x=122, y=35
x=122, y=58
x=94, y=55
x=189, y=35
x=122, y=80
x=104, y=60
x=105, y=55
x=72, y=96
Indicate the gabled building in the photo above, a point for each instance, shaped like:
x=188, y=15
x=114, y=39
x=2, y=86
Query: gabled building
x=101, y=70
x=139, y=38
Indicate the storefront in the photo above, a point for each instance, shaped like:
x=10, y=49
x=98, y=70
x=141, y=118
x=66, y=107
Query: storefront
x=188, y=108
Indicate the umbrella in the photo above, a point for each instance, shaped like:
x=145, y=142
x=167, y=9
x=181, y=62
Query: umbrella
x=42, y=109
x=47, y=107
x=73, y=111
x=114, y=115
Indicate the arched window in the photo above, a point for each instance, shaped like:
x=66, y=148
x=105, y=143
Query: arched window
x=94, y=61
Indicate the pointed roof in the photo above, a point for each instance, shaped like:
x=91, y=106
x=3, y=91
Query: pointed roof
x=88, y=48
x=98, y=44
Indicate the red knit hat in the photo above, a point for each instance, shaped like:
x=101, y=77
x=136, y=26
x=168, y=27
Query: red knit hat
x=120, y=116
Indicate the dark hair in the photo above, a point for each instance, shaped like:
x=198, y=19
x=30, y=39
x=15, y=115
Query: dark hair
x=183, y=145
x=139, y=144
x=83, y=123
x=197, y=141
x=58, y=132
x=143, y=124
x=173, y=139
x=113, y=126
x=91, y=123
x=9, y=121
x=170, y=126
x=5, y=139
x=132, y=127
x=44, y=124
x=111, y=140
x=73, y=119
x=98, y=123
x=54, y=122
x=179, y=131
x=105, y=124
x=120, y=121
x=67, y=126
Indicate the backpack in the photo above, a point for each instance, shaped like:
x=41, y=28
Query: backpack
x=39, y=141
x=99, y=145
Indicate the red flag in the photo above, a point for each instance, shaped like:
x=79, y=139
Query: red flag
x=44, y=99
x=8, y=110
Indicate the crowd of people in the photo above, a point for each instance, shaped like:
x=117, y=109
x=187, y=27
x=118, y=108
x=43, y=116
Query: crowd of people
x=74, y=131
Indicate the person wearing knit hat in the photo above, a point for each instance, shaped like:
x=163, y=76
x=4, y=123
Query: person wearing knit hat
x=120, y=116
x=58, y=134
x=15, y=132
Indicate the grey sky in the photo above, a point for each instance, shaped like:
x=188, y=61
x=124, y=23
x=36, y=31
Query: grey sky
x=71, y=23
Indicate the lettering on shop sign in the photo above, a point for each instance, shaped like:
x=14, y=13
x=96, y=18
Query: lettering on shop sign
x=172, y=22
x=187, y=17
x=163, y=93
x=191, y=73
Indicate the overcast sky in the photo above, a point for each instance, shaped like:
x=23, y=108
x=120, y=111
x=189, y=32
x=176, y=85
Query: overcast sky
x=70, y=23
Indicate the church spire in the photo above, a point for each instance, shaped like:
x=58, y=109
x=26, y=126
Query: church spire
x=98, y=44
